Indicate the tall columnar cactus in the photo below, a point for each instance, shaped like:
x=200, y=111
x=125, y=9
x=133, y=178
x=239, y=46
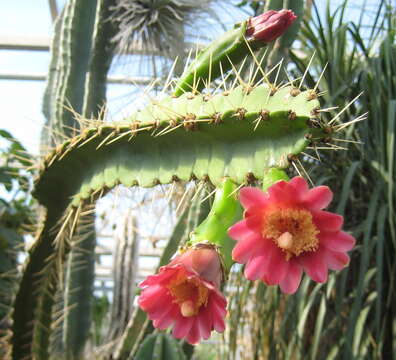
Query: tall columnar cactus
x=281, y=48
x=226, y=138
x=160, y=346
x=125, y=268
x=81, y=55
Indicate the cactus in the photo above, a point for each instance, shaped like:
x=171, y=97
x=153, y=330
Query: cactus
x=281, y=48
x=77, y=79
x=124, y=275
x=266, y=125
x=225, y=212
x=160, y=346
x=239, y=133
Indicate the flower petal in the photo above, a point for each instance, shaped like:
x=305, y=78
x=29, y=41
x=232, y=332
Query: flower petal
x=153, y=296
x=166, y=319
x=315, y=264
x=277, y=267
x=291, y=281
x=281, y=192
x=218, y=313
x=256, y=267
x=327, y=221
x=338, y=241
x=205, y=322
x=182, y=326
x=194, y=336
x=240, y=231
x=300, y=186
x=165, y=273
x=244, y=249
x=318, y=198
x=336, y=260
x=252, y=197
x=220, y=301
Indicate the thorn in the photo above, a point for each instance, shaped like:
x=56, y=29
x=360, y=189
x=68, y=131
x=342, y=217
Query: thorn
x=88, y=140
x=349, y=141
x=237, y=189
x=344, y=125
x=105, y=139
x=295, y=167
x=327, y=109
x=167, y=81
x=345, y=108
x=320, y=77
x=277, y=73
x=306, y=70
x=181, y=200
x=170, y=130
x=208, y=196
x=305, y=172
x=310, y=156
x=119, y=137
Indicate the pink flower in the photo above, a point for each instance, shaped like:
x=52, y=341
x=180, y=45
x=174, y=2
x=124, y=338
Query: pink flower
x=285, y=231
x=186, y=294
x=270, y=25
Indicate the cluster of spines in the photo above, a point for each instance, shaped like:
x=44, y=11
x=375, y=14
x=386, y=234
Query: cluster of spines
x=188, y=121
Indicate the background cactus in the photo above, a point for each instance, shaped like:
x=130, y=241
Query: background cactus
x=79, y=85
x=124, y=275
x=160, y=346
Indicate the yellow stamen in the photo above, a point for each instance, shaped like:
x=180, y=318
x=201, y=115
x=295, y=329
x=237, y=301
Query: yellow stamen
x=190, y=294
x=292, y=230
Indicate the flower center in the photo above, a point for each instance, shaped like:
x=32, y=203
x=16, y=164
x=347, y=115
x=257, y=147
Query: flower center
x=190, y=294
x=292, y=230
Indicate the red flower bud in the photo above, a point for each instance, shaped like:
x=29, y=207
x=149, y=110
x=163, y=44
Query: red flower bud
x=269, y=26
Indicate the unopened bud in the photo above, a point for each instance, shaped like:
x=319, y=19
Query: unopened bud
x=269, y=26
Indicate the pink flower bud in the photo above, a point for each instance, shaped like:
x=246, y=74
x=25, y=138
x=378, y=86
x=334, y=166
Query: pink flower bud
x=269, y=26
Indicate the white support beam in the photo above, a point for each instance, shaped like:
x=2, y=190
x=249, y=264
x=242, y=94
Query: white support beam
x=43, y=44
x=24, y=43
x=111, y=80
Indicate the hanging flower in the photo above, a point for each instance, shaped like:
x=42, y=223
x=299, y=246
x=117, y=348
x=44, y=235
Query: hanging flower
x=269, y=26
x=285, y=231
x=185, y=293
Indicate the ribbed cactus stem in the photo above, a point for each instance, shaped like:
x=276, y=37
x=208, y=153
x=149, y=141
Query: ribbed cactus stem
x=125, y=270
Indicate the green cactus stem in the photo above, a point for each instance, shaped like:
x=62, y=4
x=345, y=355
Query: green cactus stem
x=160, y=346
x=225, y=211
x=230, y=49
x=271, y=176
